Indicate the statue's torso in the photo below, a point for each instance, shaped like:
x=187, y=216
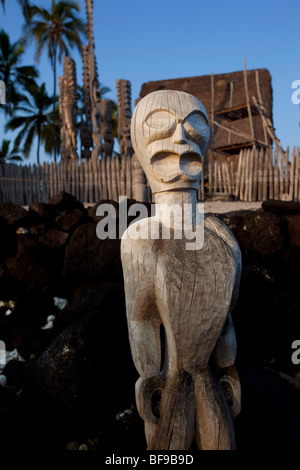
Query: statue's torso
x=192, y=289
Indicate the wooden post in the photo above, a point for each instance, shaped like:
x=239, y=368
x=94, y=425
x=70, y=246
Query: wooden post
x=76, y=178
x=128, y=176
x=17, y=180
x=215, y=176
x=251, y=169
x=297, y=162
x=281, y=180
x=260, y=102
x=223, y=176
x=113, y=179
x=238, y=176
x=232, y=176
x=11, y=183
x=118, y=176
x=286, y=172
x=243, y=176
x=45, y=178
x=265, y=175
x=108, y=177
x=247, y=160
x=103, y=178
x=227, y=170
x=95, y=181
x=86, y=181
x=219, y=178
x=230, y=106
x=271, y=174
x=292, y=175
x=248, y=102
x=276, y=175
x=81, y=180
x=255, y=175
x=210, y=176
x=260, y=175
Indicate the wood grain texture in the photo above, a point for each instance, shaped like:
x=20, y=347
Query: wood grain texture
x=179, y=301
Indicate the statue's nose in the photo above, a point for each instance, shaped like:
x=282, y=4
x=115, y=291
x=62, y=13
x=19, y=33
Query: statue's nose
x=179, y=136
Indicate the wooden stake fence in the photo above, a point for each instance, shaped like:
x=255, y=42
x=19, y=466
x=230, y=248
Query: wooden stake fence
x=260, y=175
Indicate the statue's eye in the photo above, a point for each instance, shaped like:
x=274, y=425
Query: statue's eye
x=161, y=119
x=196, y=127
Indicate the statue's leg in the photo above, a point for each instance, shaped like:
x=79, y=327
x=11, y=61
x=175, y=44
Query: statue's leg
x=172, y=403
x=213, y=421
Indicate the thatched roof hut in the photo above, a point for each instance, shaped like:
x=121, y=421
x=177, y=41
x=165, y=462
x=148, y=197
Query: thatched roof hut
x=228, y=92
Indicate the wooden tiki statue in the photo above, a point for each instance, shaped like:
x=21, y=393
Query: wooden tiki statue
x=179, y=299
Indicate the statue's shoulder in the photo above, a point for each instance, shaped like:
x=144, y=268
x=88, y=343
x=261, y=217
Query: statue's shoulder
x=137, y=234
x=215, y=225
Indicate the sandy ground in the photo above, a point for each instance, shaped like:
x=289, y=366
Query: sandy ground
x=215, y=207
x=221, y=207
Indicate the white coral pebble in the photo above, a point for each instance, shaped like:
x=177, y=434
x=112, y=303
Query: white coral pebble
x=3, y=380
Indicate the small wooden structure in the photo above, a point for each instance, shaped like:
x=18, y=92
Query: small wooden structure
x=239, y=106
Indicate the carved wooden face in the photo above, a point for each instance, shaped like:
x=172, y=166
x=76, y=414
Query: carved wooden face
x=169, y=132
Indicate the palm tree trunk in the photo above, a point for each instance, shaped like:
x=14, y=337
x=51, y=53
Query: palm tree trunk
x=54, y=101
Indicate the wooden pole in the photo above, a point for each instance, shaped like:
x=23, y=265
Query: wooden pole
x=230, y=106
x=271, y=174
x=251, y=169
x=238, y=176
x=255, y=174
x=260, y=102
x=210, y=175
x=242, y=183
x=248, y=101
x=297, y=163
x=265, y=175
x=215, y=176
x=281, y=190
x=118, y=176
x=128, y=176
x=286, y=170
x=246, y=175
x=260, y=176
x=232, y=176
x=276, y=175
x=292, y=175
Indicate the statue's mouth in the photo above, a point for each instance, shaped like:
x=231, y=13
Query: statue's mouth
x=171, y=166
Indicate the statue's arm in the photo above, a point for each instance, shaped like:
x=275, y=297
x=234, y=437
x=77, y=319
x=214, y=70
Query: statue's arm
x=225, y=350
x=142, y=315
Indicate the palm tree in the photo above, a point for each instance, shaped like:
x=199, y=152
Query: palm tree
x=47, y=134
x=34, y=120
x=57, y=29
x=6, y=154
x=12, y=73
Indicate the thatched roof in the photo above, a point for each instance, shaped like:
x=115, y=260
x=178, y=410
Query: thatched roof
x=229, y=93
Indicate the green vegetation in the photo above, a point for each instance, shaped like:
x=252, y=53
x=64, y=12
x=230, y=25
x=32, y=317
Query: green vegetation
x=33, y=122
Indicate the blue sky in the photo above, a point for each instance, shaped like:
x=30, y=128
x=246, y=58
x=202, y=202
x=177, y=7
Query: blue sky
x=143, y=41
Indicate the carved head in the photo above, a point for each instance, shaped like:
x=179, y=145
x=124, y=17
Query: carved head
x=169, y=133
